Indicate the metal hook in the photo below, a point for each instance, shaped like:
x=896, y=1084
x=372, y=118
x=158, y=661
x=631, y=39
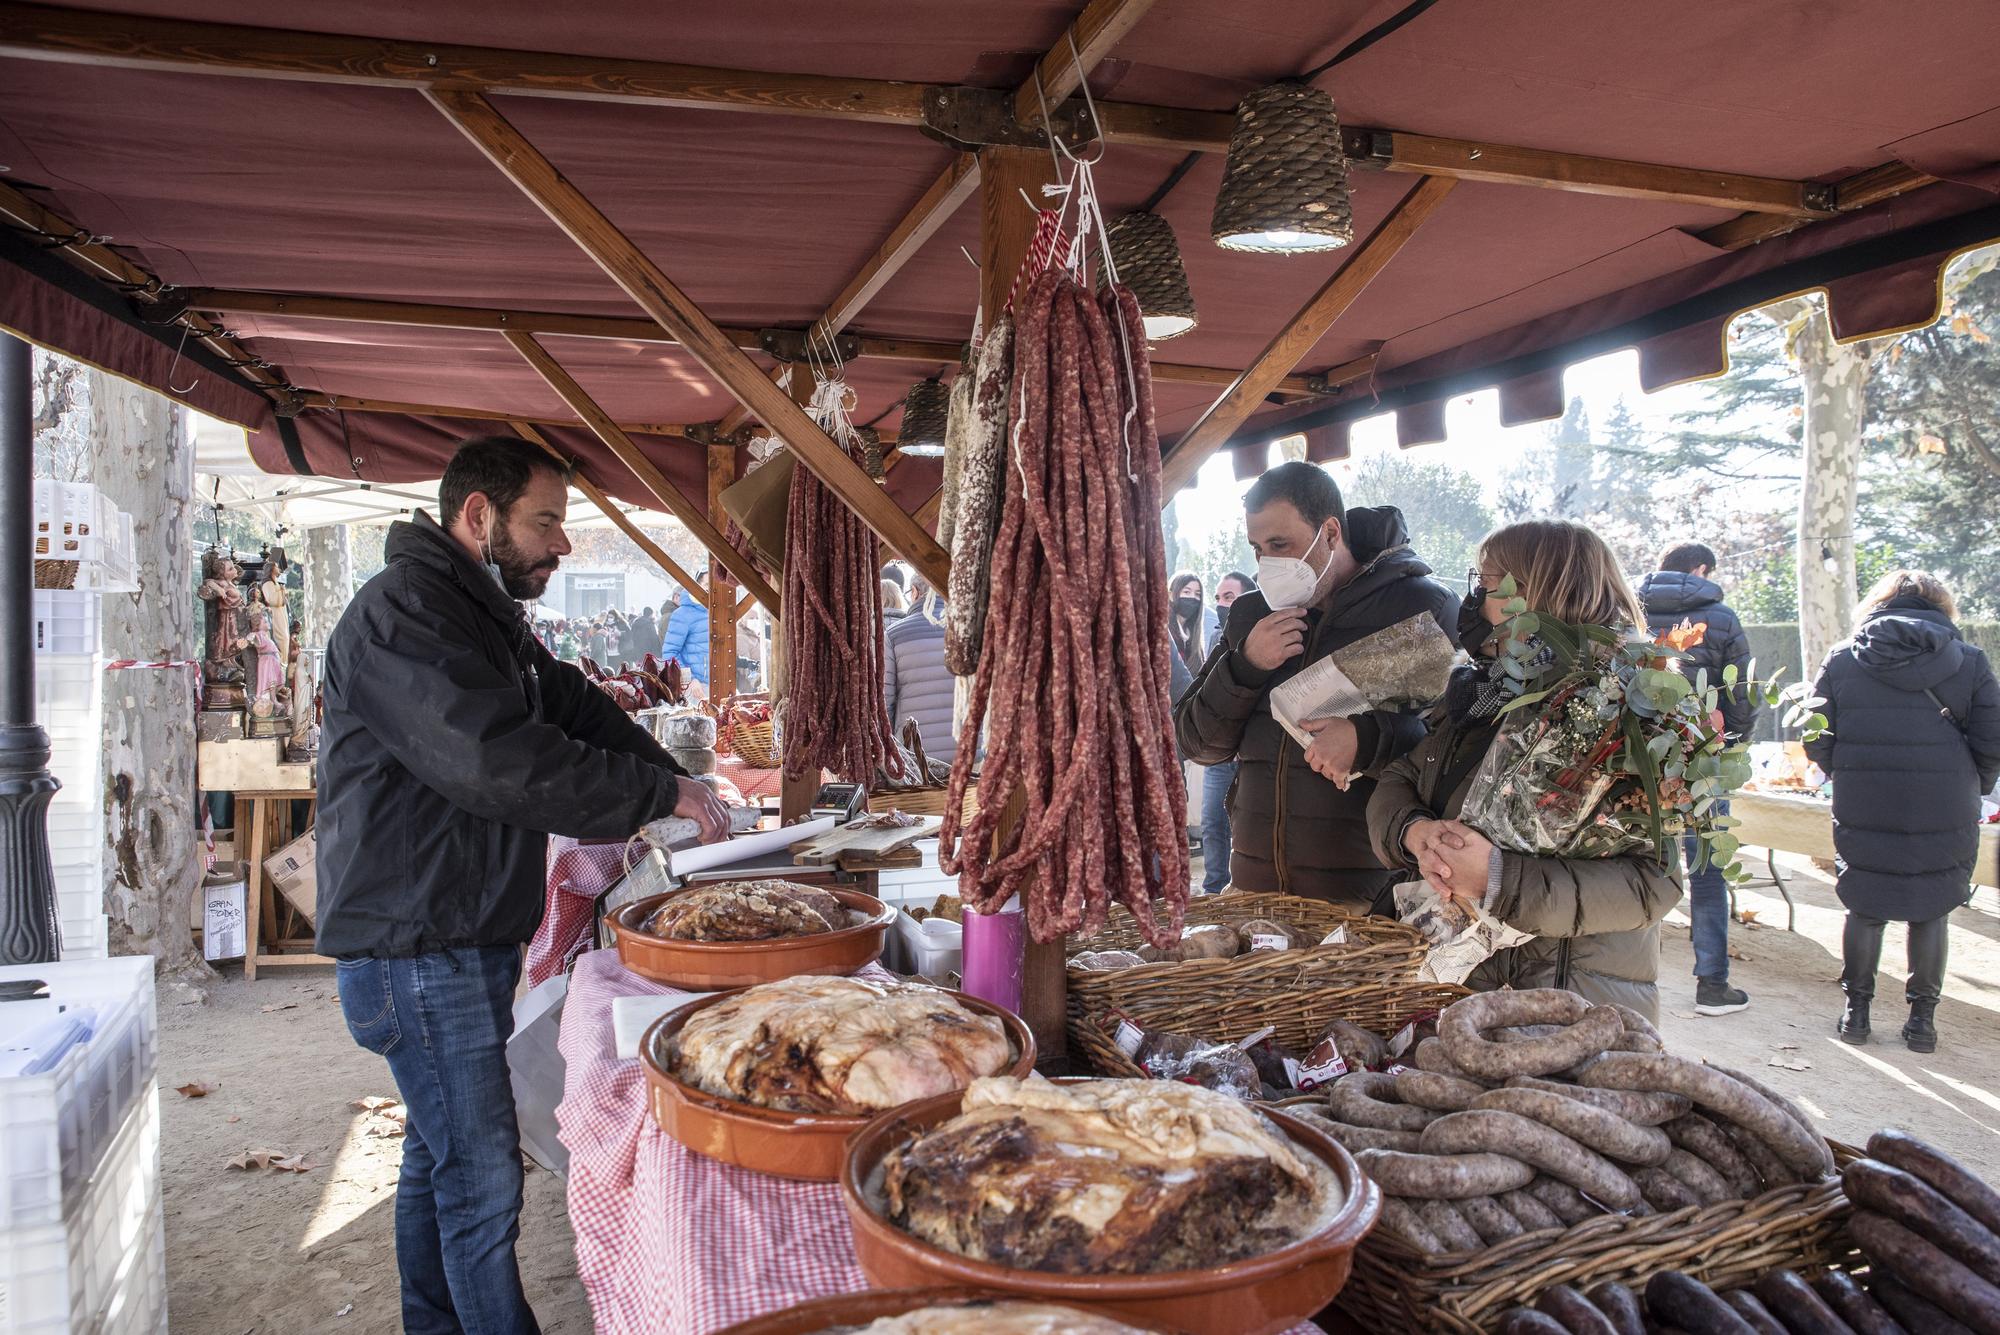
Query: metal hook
x=171, y=386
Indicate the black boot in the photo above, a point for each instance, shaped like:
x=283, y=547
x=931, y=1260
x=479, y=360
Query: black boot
x=1854, y=1022
x=1921, y=1033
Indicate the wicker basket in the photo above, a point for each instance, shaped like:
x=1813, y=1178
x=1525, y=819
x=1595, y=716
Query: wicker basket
x=755, y=744
x=1726, y=1245
x=928, y=800
x=1377, y=950
x=56, y=574
x=1301, y=1018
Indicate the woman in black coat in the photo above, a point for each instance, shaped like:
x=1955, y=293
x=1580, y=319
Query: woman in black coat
x=1914, y=739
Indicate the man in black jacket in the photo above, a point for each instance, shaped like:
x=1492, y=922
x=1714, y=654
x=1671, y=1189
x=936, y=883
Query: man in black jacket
x=453, y=745
x=1326, y=577
x=1683, y=590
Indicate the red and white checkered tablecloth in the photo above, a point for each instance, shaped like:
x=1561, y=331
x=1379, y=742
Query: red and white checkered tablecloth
x=667, y=1242
x=577, y=875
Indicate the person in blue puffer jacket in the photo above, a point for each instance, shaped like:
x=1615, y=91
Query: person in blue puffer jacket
x=686, y=638
x=915, y=682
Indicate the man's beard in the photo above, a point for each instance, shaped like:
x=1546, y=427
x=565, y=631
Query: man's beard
x=523, y=577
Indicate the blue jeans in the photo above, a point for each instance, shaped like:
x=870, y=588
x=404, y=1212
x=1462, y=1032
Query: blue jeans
x=1215, y=785
x=1708, y=912
x=443, y=1020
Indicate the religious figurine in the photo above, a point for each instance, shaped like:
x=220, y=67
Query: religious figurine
x=265, y=673
x=271, y=595
x=224, y=607
x=303, y=744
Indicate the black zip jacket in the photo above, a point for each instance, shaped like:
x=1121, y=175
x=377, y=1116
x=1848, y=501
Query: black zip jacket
x=1292, y=831
x=1672, y=597
x=453, y=744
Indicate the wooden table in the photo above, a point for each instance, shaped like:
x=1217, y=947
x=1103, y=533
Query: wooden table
x=260, y=898
x=1800, y=823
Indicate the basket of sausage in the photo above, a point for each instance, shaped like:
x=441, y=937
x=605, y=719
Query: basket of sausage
x=1238, y=945
x=1269, y=1047
x=1535, y=1140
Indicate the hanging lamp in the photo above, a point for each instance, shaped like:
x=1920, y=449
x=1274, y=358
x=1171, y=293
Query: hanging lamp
x=926, y=410
x=1148, y=260
x=1284, y=188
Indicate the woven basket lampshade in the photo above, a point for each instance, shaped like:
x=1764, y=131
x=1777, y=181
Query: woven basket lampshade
x=1148, y=260
x=926, y=409
x=1284, y=190
x=871, y=451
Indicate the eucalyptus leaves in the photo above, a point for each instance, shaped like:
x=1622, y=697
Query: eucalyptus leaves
x=1606, y=749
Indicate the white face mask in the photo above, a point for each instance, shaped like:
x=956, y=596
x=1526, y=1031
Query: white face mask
x=1288, y=581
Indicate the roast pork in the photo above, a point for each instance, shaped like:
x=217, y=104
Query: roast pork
x=747, y=911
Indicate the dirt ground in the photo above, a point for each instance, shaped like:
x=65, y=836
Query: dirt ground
x=277, y=1252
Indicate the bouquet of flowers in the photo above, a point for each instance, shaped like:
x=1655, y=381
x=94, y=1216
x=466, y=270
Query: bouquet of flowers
x=1607, y=749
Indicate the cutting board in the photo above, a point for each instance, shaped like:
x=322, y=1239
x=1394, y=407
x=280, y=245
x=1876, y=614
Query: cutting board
x=851, y=841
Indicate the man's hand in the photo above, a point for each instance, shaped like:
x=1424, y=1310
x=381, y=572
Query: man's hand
x=1276, y=638
x=1331, y=754
x=1455, y=859
x=699, y=805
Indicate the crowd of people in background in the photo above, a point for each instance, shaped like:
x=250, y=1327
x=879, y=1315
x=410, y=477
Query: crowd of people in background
x=677, y=631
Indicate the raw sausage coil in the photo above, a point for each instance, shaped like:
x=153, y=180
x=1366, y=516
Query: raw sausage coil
x=1368, y=1098
x=1443, y=1176
x=1530, y=1211
x=1547, y=1149
x=1567, y=1202
x=1443, y=1219
x=1665, y=1192
x=1704, y=1182
x=1720, y=1093
x=1399, y=1217
x=1443, y=1093
x=1587, y=1030
x=1353, y=1138
x=1706, y=1142
x=1605, y=1132
x=1640, y=1107
x=1489, y=1219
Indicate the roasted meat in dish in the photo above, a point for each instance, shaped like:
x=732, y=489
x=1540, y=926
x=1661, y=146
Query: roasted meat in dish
x=1003, y=1318
x=1105, y=1177
x=747, y=911
x=838, y=1045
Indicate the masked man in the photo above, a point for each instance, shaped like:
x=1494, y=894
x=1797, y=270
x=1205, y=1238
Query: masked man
x=453, y=744
x=1326, y=577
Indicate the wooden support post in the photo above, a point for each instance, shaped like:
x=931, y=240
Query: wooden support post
x=722, y=602
x=1299, y=334
x=624, y=521
x=795, y=795
x=1006, y=226
x=648, y=285
x=642, y=468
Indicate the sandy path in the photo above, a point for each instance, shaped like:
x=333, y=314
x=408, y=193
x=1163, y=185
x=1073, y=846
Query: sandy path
x=278, y=1252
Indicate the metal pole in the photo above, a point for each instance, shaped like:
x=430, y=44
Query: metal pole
x=29, y=932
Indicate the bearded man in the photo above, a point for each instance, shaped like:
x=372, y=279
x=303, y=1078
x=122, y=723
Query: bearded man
x=453, y=744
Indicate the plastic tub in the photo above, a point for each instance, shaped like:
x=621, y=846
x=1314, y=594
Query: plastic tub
x=67, y=686
x=66, y=621
x=55, y=1127
x=102, y=1265
x=931, y=947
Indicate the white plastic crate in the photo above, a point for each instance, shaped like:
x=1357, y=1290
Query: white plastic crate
x=68, y=687
x=104, y=1261
x=74, y=521
x=55, y=1127
x=68, y=621
x=85, y=936
x=76, y=833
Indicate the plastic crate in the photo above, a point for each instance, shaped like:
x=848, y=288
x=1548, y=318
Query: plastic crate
x=68, y=686
x=105, y=1258
x=68, y=621
x=85, y=936
x=55, y=1127
x=74, y=521
x=76, y=832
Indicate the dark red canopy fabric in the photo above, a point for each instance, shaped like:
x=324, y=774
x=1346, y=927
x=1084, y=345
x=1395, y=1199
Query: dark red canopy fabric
x=254, y=183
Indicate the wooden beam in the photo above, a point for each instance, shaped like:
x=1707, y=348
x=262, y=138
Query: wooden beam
x=40, y=32
x=1854, y=192
x=579, y=480
x=722, y=605
x=1300, y=333
x=630, y=329
x=345, y=403
x=744, y=604
x=642, y=468
x=1099, y=28
x=931, y=211
x=656, y=294
x=1469, y=160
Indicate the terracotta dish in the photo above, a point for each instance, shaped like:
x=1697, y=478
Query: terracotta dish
x=704, y=966
x=858, y=1309
x=1257, y=1296
x=807, y=1147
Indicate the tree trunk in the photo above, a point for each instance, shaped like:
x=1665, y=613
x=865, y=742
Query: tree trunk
x=329, y=584
x=1833, y=382
x=142, y=457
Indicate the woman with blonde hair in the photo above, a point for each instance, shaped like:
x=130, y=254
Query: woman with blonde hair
x=1596, y=922
x=1913, y=740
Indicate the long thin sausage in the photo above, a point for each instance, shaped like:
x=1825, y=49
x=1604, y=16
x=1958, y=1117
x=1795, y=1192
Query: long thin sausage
x=1605, y=1132
x=1642, y=1107
x=1547, y=1149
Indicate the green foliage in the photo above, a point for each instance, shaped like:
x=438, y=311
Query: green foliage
x=1442, y=505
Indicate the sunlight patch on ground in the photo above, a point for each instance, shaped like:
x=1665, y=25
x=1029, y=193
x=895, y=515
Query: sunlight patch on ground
x=1889, y=1072
x=340, y=1203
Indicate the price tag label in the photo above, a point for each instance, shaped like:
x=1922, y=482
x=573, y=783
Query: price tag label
x=1336, y=937
x=1269, y=941
x=1128, y=1038
x=1321, y=1066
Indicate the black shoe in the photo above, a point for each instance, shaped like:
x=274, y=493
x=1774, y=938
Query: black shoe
x=1854, y=1022
x=1714, y=996
x=1921, y=1032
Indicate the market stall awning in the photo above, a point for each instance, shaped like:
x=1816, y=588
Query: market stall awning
x=1619, y=182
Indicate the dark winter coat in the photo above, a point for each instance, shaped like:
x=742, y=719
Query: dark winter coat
x=1292, y=831
x=453, y=745
x=1596, y=921
x=1672, y=597
x=1907, y=780
x=915, y=682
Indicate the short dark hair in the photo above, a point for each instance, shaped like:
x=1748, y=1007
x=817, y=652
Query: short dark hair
x=1307, y=488
x=497, y=466
x=1687, y=557
x=1241, y=578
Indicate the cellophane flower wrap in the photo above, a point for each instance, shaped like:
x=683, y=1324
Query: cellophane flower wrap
x=1606, y=749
